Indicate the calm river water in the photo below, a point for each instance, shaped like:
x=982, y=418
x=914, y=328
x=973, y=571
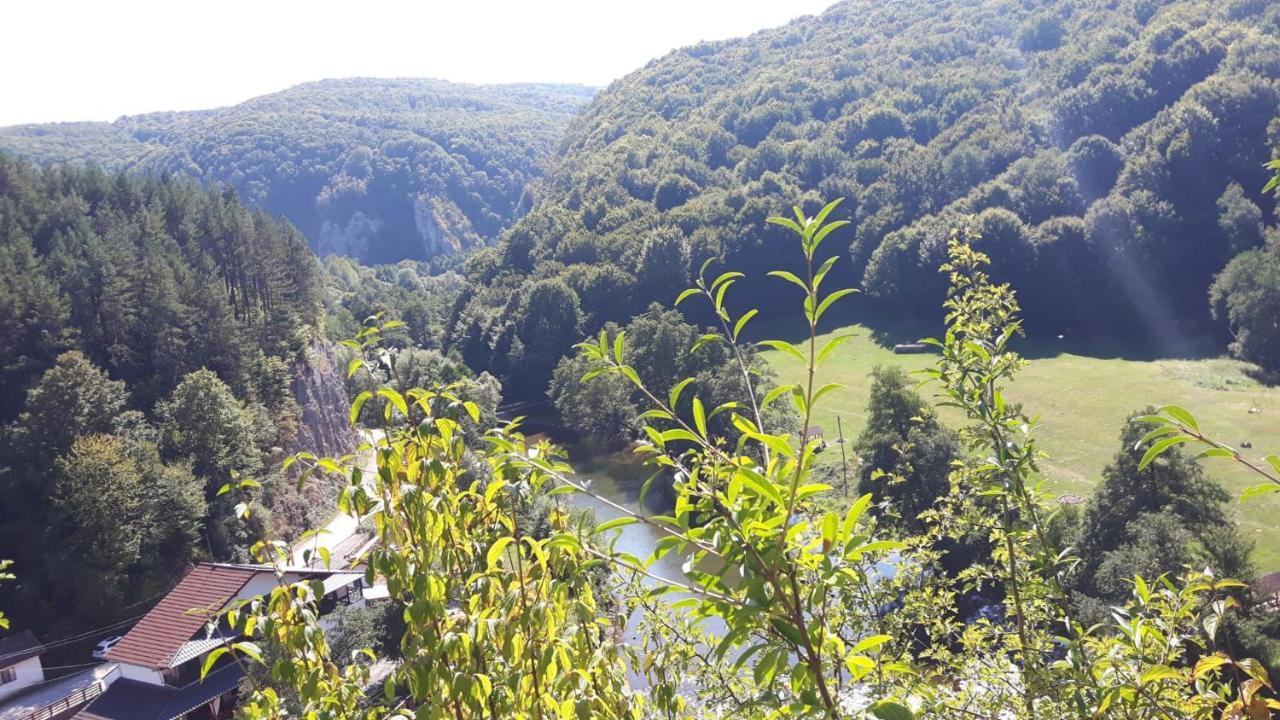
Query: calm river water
x=619, y=476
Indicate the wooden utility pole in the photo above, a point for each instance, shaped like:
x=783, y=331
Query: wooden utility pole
x=844, y=461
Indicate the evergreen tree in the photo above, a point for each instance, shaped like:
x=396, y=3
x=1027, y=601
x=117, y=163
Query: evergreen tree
x=906, y=454
x=1155, y=520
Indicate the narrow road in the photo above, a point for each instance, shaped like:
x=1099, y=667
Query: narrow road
x=340, y=530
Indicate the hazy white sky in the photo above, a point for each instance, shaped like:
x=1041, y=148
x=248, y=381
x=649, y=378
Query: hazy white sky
x=97, y=60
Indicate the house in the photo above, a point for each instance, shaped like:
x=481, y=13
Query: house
x=160, y=659
x=20, y=666
x=910, y=348
x=1266, y=591
x=61, y=697
x=814, y=433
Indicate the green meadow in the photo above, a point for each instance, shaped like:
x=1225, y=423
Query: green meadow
x=1081, y=402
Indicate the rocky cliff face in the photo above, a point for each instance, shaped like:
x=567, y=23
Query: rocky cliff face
x=321, y=393
x=323, y=429
x=352, y=238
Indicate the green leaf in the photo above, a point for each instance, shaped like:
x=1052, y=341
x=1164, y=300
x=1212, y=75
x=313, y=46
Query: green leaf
x=1156, y=673
x=719, y=302
x=788, y=631
x=1253, y=491
x=248, y=648
x=494, y=556
x=822, y=271
x=784, y=346
x=891, y=710
x=618, y=346
x=871, y=642
x=699, y=416
x=629, y=373
x=680, y=434
x=210, y=659
x=1181, y=415
x=742, y=322
x=830, y=528
x=791, y=278
x=396, y=399
x=854, y=513
x=829, y=387
x=1208, y=664
x=825, y=231
x=353, y=366
x=618, y=522
x=686, y=295
x=826, y=303
x=358, y=403
x=760, y=484
x=775, y=393
x=1156, y=433
x=1159, y=448
x=704, y=339
x=674, y=395
x=831, y=345
x=1216, y=452
x=726, y=278
x=826, y=210
x=787, y=223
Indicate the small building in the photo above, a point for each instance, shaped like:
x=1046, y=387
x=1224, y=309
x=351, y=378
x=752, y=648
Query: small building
x=20, y=666
x=1266, y=591
x=814, y=433
x=910, y=348
x=160, y=658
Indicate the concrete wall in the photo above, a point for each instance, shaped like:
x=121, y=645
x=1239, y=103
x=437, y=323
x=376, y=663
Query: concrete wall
x=130, y=671
x=28, y=673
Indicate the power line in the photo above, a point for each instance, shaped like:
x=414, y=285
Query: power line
x=72, y=639
x=81, y=636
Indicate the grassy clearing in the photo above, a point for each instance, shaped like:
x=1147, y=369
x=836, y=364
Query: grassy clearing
x=1081, y=402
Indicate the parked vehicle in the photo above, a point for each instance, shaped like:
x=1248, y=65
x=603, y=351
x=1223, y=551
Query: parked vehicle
x=100, y=650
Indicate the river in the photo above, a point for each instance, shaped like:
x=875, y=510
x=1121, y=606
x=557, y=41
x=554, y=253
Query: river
x=620, y=476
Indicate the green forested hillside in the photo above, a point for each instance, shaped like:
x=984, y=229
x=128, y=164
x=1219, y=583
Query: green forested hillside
x=1109, y=153
x=381, y=170
x=149, y=331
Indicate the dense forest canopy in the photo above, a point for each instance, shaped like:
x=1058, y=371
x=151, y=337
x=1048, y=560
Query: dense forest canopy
x=1110, y=154
x=381, y=170
x=149, y=334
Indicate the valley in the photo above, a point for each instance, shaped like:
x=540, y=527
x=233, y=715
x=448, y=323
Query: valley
x=499, y=292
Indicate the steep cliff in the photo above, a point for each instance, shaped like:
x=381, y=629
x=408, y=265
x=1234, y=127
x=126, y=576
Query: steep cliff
x=321, y=393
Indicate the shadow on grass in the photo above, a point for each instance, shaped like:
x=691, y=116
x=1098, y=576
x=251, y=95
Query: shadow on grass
x=889, y=326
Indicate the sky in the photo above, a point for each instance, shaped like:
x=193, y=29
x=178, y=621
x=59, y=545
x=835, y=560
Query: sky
x=95, y=60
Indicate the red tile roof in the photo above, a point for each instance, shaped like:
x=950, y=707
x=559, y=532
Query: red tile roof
x=154, y=640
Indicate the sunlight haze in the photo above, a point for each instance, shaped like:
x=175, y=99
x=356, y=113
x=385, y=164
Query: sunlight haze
x=98, y=61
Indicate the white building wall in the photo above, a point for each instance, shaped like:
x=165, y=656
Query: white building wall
x=27, y=673
x=264, y=582
x=129, y=671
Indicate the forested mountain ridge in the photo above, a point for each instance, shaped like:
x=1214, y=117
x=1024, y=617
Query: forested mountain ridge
x=1109, y=154
x=381, y=170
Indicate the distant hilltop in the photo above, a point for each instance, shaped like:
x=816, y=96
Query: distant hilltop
x=377, y=169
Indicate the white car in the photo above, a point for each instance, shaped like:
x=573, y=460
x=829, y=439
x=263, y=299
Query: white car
x=100, y=650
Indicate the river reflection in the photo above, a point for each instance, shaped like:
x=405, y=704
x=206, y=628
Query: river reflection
x=620, y=476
